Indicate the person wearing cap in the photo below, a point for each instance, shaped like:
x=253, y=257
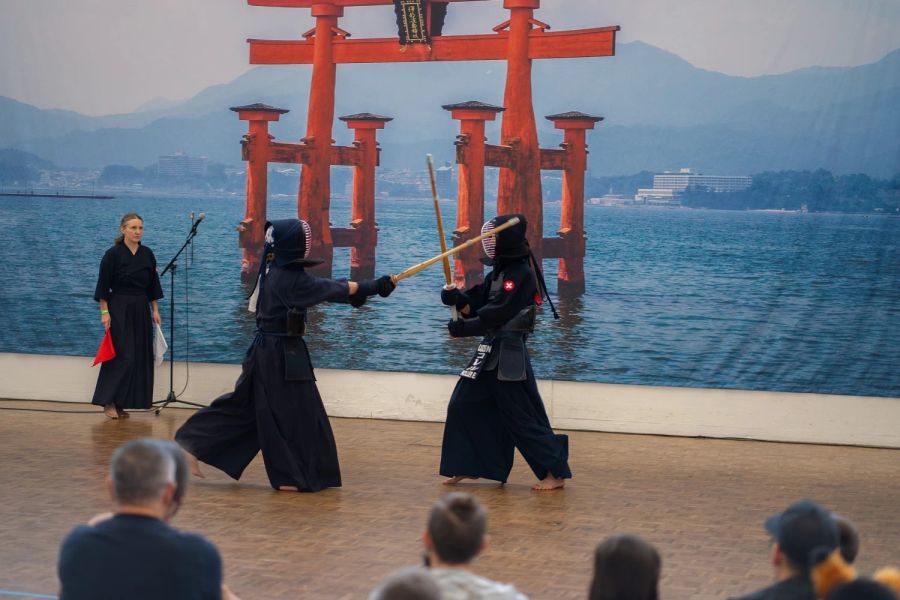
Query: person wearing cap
x=275, y=405
x=496, y=407
x=803, y=535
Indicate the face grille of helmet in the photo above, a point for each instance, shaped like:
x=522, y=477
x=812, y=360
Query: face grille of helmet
x=489, y=243
x=307, y=235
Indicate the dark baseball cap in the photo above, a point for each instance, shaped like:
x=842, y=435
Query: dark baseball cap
x=805, y=532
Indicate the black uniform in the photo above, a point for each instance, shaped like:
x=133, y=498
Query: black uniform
x=128, y=282
x=496, y=406
x=275, y=406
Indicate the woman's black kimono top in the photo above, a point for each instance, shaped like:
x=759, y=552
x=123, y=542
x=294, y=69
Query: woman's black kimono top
x=122, y=272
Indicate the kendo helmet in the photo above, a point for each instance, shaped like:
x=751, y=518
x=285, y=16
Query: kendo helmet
x=509, y=243
x=290, y=241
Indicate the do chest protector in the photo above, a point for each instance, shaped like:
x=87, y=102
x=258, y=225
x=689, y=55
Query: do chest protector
x=503, y=348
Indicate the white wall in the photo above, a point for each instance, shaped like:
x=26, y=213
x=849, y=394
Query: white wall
x=777, y=416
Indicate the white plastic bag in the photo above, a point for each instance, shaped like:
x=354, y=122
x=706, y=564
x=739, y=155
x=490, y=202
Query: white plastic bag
x=159, y=346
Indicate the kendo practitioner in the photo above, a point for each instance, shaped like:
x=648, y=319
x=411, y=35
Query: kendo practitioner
x=275, y=406
x=496, y=406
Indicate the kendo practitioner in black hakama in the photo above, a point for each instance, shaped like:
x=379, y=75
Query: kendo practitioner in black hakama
x=275, y=406
x=127, y=290
x=496, y=406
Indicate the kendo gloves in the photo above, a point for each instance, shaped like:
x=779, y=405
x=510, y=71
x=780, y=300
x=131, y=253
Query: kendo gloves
x=454, y=297
x=383, y=286
x=466, y=327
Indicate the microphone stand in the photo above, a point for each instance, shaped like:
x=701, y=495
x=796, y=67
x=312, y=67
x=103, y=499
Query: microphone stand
x=170, y=268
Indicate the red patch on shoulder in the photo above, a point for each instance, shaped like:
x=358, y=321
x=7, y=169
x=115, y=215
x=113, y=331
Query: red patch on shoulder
x=509, y=285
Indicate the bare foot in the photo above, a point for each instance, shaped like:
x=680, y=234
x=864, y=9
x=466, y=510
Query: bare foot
x=457, y=479
x=111, y=411
x=193, y=465
x=549, y=483
x=287, y=488
x=122, y=414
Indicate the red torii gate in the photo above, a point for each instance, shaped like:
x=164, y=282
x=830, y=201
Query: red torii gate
x=519, y=40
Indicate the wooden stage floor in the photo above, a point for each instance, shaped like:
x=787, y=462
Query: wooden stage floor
x=701, y=501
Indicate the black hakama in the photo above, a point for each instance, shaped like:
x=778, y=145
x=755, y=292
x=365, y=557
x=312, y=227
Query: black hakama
x=266, y=411
x=128, y=282
x=490, y=415
x=488, y=419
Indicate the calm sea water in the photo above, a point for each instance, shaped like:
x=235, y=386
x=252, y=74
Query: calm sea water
x=745, y=300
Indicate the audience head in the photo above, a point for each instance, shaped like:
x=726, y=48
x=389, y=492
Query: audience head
x=805, y=534
x=142, y=473
x=456, y=528
x=830, y=572
x=848, y=538
x=861, y=589
x=410, y=583
x=625, y=568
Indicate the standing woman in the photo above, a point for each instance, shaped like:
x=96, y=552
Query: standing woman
x=127, y=282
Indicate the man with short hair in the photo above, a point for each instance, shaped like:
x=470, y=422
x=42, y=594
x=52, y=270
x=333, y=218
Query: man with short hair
x=409, y=583
x=455, y=535
x=804, y=534
x=135, y=554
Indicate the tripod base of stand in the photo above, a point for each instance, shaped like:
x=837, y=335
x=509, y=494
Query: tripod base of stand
x=169, y=399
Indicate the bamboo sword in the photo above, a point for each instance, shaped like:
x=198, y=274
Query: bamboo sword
x=425, y=264
x=440, y=227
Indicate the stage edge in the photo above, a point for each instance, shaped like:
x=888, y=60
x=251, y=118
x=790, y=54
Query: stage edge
x=717, y=413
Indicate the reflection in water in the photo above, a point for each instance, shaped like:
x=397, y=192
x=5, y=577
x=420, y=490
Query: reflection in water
x=245, y=322
x=563, y=355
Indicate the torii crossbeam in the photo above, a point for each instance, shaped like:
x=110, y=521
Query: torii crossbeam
x=519, y=40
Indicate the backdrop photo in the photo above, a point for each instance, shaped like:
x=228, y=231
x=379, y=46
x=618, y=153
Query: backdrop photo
x=742, y=194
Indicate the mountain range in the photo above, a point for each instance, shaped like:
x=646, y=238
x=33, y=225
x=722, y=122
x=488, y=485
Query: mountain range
x=660, y=113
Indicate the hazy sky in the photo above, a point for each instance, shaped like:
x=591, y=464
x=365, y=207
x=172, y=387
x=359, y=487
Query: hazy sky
x=108, y=56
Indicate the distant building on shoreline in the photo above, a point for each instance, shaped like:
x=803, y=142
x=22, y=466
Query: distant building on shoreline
x=180, y=165
x=668, y=186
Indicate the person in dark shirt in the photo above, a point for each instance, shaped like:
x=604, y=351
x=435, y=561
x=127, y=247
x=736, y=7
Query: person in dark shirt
x=496, y=406
x=275, y=406
x=803, y=535
x=862, y=589
x=127, y=282
x=135, y=554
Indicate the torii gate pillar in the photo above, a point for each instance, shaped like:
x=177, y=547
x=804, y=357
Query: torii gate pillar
x=571, y=228
x=362, y=216
x=255, y=150
x=314, y=197
x=520, y=187
x=470, y=156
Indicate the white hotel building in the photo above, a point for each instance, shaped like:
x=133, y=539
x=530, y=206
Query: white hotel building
x=668, y=186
